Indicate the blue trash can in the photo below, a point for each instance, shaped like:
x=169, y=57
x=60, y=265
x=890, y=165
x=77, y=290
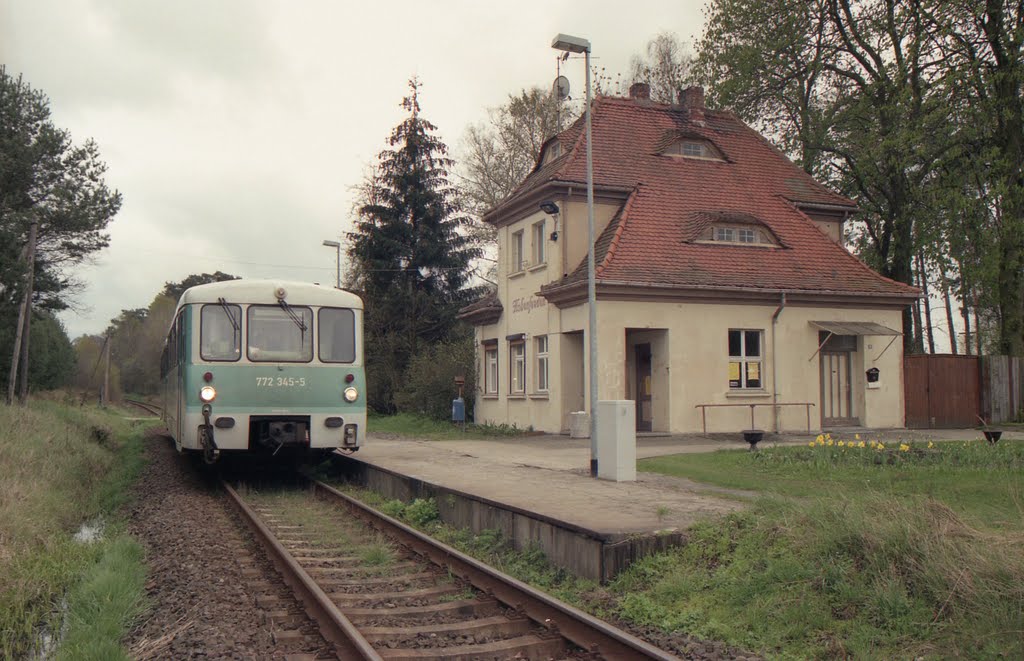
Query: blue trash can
x=458, y=410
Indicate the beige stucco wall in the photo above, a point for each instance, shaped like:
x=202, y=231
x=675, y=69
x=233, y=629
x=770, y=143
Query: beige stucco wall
x=690, y=365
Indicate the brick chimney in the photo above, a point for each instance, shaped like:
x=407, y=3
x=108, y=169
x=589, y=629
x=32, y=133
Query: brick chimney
x=640, y=91
x=692, y=100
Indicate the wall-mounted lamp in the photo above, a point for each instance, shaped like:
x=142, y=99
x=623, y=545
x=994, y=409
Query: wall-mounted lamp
x=550, y=208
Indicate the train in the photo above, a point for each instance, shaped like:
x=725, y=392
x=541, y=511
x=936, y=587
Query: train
x=265, y=367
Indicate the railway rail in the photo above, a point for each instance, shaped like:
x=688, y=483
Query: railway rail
x=152, y=409
x=379, y=589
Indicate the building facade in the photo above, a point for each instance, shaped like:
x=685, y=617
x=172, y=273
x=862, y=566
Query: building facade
x=725, y=299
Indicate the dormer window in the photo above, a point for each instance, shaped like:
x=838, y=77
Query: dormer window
x=739, y=234
x=553, y=151
x=694, y=148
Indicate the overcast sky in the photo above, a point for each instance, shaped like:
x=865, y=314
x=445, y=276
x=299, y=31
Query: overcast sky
x=235, y=129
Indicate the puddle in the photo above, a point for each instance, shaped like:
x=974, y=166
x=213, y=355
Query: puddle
x=90, y=532
x=47, y=640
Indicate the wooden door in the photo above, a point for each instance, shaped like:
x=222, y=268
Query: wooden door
x=836, y=390
x=644, y=405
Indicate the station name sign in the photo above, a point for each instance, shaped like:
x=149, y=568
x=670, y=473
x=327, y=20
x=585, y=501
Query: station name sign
x=527, y=304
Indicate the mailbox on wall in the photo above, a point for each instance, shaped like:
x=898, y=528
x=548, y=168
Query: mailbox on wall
x=872, y=375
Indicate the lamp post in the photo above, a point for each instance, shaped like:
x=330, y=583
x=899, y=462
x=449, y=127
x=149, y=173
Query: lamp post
x=337, y=246
x=568, y=44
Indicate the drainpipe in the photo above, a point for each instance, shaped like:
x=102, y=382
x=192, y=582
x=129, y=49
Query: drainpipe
x=775, y=363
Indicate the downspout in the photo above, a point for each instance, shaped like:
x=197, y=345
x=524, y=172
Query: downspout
x=775, y=363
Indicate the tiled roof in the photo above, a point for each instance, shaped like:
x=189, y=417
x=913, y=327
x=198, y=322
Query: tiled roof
x=651, y=239
x=485, y=310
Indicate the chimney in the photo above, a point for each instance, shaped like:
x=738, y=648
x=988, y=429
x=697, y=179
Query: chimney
x=640, y=91
x=692, y=100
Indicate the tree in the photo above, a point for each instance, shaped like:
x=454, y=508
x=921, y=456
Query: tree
x=174, y=290
x=665, y=66
x=54, y=207
x=858, y=93
x=409, y=254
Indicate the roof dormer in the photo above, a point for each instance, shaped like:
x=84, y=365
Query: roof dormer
x=693, y=147
x=733, y=228
x=553, y=151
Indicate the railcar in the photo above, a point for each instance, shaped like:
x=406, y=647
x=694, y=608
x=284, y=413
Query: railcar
x=263, y=366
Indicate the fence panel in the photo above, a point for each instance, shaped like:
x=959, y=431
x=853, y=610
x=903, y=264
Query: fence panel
x=941, y=390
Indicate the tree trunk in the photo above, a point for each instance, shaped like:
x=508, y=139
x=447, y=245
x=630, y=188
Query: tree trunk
x=944, y=283
x=918, y=335
x=922, y=276
x=19, y=357
x=12, y=377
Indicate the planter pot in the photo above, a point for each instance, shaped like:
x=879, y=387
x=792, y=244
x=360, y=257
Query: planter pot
x=992, y=435
x=753, y=436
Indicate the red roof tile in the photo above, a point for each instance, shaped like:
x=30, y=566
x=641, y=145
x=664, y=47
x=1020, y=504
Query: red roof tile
x=651, y=239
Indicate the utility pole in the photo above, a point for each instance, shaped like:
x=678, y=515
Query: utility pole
x=19, y=356
x=105, y=396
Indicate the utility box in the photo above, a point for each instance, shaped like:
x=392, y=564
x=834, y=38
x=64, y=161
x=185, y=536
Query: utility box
x=458, y=410
x=616, y=440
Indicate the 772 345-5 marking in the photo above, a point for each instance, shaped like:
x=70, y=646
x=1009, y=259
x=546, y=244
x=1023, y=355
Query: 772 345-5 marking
x=280, y=382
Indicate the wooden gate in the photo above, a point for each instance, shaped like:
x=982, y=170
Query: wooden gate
x=941, y=391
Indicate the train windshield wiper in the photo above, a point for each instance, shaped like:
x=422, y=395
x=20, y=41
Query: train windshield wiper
x=298, y=321
x=231, y=316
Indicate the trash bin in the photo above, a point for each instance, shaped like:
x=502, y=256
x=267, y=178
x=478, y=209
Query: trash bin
x=458, y=410
x=579, y=424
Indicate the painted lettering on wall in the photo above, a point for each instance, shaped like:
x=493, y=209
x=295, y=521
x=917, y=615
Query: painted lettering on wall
x=527, y=304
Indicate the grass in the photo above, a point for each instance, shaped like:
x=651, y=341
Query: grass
x=900, y=552
x=418, y=426
x=62, y=466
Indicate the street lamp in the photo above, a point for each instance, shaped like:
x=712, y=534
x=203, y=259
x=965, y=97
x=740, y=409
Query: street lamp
x=336, y=246
x=568, y=44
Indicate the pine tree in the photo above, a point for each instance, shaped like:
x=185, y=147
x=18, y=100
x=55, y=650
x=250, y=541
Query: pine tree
x=410, y=254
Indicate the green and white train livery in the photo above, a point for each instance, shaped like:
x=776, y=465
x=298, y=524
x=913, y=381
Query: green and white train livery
x=265, y=366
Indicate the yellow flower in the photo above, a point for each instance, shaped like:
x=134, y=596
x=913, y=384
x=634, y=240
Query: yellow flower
x=811, y=444
x=857, y=436
x=820, y=438
x=830, y=441
x=930, y=445
x=874, y=443
x=881, y=446
x=841, y=443
x=904, y=447
x=861, y=444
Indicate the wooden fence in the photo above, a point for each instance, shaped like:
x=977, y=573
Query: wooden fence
x=953, y=391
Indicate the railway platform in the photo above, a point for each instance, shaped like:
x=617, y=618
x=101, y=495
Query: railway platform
x=538, y=489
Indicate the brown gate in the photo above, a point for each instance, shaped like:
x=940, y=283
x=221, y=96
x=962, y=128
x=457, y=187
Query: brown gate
x=941, y=391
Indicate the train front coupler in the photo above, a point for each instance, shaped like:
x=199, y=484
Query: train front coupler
x=211, y=453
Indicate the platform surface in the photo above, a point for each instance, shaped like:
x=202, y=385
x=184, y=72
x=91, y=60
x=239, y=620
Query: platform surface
x=550, y=475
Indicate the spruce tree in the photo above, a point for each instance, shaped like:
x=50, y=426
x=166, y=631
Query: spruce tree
x=410, y=256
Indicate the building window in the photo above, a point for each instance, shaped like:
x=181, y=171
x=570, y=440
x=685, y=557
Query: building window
x=747, y=235
x=693, y=149
x=517, y=252
x=541, y=346
x=517, y=367
x=539, y=256
x=491, y=370
x=728, y=234
x=725, y=234
x=553, y=152
x=745, y=359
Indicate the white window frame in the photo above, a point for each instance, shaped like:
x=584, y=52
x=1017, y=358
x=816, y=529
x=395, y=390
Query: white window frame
x=541, y=350
x=517, y=252
x=491, y=369
x=744, y=360
x=727, y=234
x=539, y=247
x=517, y=367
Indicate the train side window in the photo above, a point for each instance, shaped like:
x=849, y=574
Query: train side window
x=220, y=332
x=337, y=335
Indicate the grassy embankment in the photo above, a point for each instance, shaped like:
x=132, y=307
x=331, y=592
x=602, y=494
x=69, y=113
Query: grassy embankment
x=62, y=466
x=851, y=551
x=421, y=427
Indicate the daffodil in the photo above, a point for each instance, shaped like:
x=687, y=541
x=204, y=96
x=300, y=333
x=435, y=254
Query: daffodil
x=857, y=436
x=841, y=443
x=820, y=438
x=874, y=443
x=860, y=444
x=881, y=446
x=811, y=443
x=930, y=445
x=904, y=447
x=830, y=442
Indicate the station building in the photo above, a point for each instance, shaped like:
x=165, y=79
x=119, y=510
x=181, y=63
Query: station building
x=722, y=282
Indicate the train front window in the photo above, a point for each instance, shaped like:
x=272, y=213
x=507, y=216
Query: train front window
x=278, y=335
x=337, y=335
x=220, y=332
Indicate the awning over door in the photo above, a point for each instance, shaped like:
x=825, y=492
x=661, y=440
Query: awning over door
x=854, y=328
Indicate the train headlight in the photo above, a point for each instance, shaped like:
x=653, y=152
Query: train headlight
x=351, y=394
x=207, y=393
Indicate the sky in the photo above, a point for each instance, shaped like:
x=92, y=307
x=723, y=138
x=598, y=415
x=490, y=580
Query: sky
x=236, y=129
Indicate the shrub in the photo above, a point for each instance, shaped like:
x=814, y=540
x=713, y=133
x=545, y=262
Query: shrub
x=429, y=384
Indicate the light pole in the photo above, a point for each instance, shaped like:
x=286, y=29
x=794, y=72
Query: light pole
x=336, y=246
x=568, y=44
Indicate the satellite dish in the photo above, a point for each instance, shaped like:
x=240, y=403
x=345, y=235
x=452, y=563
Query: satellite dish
x=561, y=88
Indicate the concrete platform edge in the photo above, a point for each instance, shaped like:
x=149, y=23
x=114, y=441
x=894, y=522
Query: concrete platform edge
x=587, y=553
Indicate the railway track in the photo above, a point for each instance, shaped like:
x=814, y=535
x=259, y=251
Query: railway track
x=152, y=409
x=379, y=589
